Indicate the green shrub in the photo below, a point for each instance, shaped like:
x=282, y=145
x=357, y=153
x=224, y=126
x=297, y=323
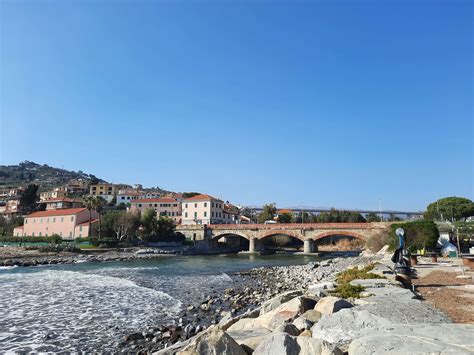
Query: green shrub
x=51, y=239
x=355, y=274
x=346, y=290
x=418, y=235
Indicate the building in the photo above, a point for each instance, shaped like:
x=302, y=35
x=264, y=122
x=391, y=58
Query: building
x=77, y=187
x=165, y=207
x=6, y=194
x=68, y=223
x=59, y=192
x=231, y=214
x=62, y=203
x=202, y=209
x=106, y=191
x=11, y=208
x=126, y=197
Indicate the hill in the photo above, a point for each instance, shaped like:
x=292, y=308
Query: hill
x=28, y=172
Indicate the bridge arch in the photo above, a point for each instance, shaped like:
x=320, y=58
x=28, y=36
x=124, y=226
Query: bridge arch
x=276, y=232
x=230, y=234
x=339, y=233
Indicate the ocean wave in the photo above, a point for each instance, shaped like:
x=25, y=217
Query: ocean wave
x=8, y=267
x=55, y=310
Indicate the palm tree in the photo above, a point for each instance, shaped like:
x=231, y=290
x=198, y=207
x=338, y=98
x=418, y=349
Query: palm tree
x=100, y=202
x=89, y=203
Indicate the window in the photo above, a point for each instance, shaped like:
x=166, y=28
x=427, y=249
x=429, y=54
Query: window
x=212, y=204
x=72, y=218
x=40, y=234
x=54, y=220
x=47, y=220
x=195, y=215
x=185, y=205
x=41, y=220
x=62, y=219
x=185, y=214
x=205, y=213
x=80, y=235
x=33, y=234
x=212, y=214
x=195, y=205
x=61, y=234
x=139, y=205
x=205, y=204
x=80, y=229
x=26, y=221
x=156, y=205
x=70, y=234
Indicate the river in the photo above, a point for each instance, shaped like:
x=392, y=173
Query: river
x=90, y=306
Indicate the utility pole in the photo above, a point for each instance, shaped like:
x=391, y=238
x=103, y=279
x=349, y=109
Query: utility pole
x=380, y=209
x=302, y=215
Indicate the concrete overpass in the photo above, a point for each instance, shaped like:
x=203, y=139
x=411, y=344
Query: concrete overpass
x=308, y=233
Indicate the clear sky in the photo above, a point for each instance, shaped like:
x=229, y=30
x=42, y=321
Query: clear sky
x=321, y=103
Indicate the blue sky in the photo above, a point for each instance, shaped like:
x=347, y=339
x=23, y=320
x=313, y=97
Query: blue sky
x=321, y=103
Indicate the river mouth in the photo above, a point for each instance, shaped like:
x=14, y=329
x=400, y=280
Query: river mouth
x=90, y=306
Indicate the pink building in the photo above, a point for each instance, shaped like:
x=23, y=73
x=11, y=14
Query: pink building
x=165, y=207
x=68, y=223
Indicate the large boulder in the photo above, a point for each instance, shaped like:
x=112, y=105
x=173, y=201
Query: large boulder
x=249, y=339
x=416, y=339
x=307, y=319
x=215, y=342
x=331, y=304
x=282, y=343
x=285, y=313
x=341, y=327
x=288, y=328
x=273, y=303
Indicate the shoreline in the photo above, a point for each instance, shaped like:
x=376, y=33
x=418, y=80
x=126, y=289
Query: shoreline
x=251, y=289
x=19, y=256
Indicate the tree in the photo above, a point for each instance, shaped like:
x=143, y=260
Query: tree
x=3, y=224
x=285, y=218
x=124, y=225
x=90, y=202
x=305, y=218
x=99, y=203
x=418, y=235
x=267, y=213
x=449, y=208
x=148, y=223
x=29, y=197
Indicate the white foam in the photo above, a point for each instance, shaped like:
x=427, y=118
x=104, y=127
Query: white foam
x=8, y=267
x=55, y=310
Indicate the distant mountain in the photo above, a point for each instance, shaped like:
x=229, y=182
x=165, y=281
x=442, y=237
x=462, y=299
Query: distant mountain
x=45, y=176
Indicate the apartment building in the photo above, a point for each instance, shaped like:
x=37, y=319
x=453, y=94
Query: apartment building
x=57, y=193
x=106, y=191
x=68, y=223
x=165, y=207
x=202, y=209
x=62, y=203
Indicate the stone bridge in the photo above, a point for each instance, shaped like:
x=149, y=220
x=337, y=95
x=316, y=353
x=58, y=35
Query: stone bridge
x=308, y=233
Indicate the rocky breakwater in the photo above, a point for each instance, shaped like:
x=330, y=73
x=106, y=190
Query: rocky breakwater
x=387, y=320
x=20, y=257
x=260, y=288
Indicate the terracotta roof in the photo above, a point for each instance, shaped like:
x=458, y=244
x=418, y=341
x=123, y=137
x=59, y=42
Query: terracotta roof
x=65, y=212
x=87, y=222
x=153, y=200
x=284, y=211
x=202, y=197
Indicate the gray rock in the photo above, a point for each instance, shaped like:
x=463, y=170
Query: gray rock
x=302, y=323
x=216, y=341
x=312, y=315
x=417, y=339
x=341, y=327
x=249, y=340
x=282, y=343
x=272, y=304
x=331, y=304
x=288, y=328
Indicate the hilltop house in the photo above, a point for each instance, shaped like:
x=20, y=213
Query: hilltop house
x=68, y=223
